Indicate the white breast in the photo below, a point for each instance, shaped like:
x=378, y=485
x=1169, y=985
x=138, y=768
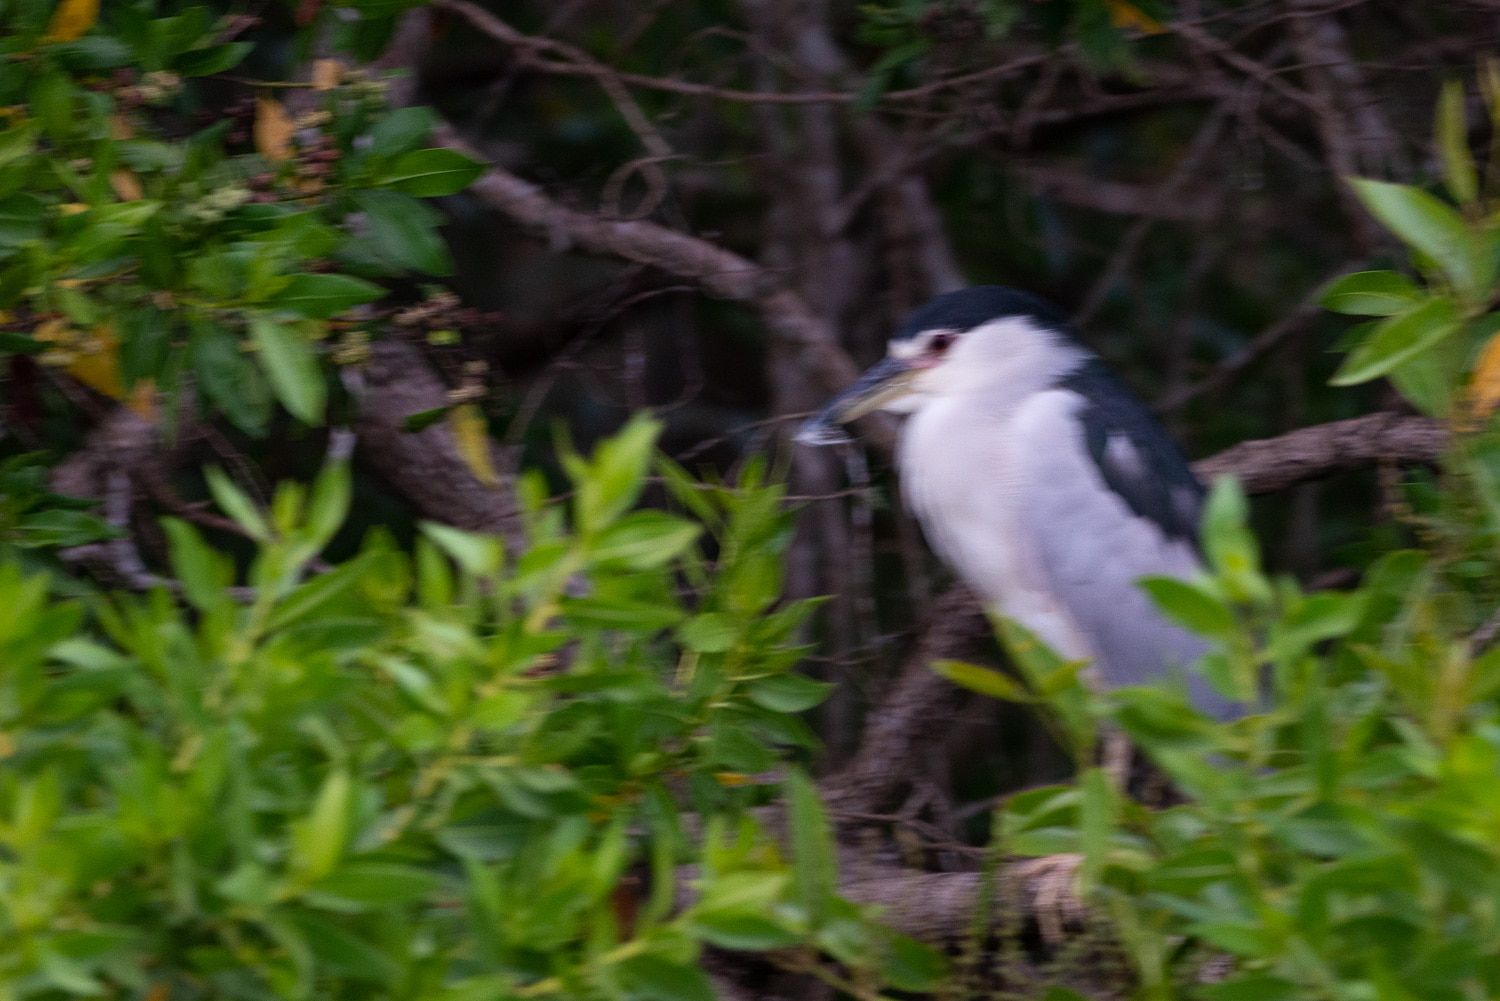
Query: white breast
x=961, y=474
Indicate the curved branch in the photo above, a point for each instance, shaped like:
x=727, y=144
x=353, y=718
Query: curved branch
x=425, y=466
x=1311, y=453
x=717, y=271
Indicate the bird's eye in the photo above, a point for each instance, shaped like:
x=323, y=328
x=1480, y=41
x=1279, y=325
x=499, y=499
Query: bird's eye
x=940, y=341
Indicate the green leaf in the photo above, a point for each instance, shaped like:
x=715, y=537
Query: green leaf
x=788, y=693
x=311, y=594
x=645, y=540
x=479, y=555
x=1428, y=226
x=619, y=613
x=20, y=220
x=909, y=965
x=814, y=861
x=202, y=573
x=1062, y=994
x=236, y=504
x=328, y=504
x=231, y=380
x=610, y=483
x=1430, y=380
x=1096, y=811
x=1398, y=339
x=359, y=886
x=653, y=978
x=1371, y=293
x=742, y=928
x=61, y=527
x=1453, y=142
x=403, y=130
x=1193, y=606
x=211, y=60
x=318, y=840
x=20, y=344
x=51, y=97
x=424, y=419
x=323, y=296
x=710, y=632
x=1231, y=547
x=341, y=952
x=984, y=680
x=291, y=365
x=403, y=231
x=428, y=173
x=1252, y=987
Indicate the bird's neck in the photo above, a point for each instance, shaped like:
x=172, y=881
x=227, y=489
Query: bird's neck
x=998, y=373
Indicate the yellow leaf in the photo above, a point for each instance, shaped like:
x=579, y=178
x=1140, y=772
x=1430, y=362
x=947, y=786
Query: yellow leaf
x=1125, y=14
x=126, y=185
x=72, y=208
x=473, y=440
x=52, y=332
x=94, y=360
x=71, y=19
x=97, y=364
x=273, y=129
x=326, y=74
x=1484, y=387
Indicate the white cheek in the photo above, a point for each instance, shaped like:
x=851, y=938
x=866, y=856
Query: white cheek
x=940, y=379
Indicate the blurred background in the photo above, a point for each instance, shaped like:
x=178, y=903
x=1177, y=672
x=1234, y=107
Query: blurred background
x=718, y=211
x=1170, y=175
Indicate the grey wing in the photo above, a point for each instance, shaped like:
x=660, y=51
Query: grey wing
x=1092, y=545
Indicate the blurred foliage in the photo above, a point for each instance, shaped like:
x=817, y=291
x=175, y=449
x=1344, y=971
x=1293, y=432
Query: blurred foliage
x=33, y=517
x=907, y=32
x=437, y=769
x=444, y=773
x=146, y=256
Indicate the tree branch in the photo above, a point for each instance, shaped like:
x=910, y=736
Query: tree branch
x=914, y=707
x=425, y=466
x=1311, y=453
x=717, y=271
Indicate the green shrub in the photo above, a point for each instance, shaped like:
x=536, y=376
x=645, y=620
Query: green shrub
x=451, y=772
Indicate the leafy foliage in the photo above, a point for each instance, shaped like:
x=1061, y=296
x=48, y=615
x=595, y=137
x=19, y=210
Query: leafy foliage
x=451, y=772
x=141, y=254
x=33, y=517
x=1427, y=337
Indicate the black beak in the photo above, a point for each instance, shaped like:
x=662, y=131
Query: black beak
x=884, y=382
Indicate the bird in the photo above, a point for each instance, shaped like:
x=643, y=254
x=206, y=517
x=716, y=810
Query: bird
x=1042, y=481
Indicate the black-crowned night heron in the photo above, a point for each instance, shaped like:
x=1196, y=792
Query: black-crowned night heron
x=1045, y=484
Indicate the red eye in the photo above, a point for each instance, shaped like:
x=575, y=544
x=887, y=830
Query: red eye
x=939, y=342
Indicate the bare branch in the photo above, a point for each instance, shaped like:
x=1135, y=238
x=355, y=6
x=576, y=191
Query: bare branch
x=1311, y=453
x=425, y=466
x=717, y=271
x=568, y=60
x=914, y=708
x=121, y=444
x=1262, y=344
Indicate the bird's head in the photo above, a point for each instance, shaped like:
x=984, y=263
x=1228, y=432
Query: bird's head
x=974, y=339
